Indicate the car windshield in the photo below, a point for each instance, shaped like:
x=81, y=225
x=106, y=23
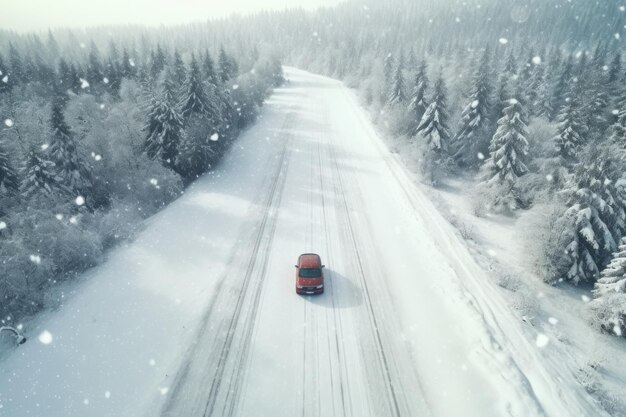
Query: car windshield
x=310, y=272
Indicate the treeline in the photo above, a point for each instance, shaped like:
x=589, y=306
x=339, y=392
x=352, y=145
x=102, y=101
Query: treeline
x=529, y=100
x=91, y=143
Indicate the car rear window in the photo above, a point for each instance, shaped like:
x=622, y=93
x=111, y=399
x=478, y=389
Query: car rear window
x=310, y=272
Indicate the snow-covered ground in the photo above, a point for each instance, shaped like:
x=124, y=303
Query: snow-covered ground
x=199, y=315
x=504, y=246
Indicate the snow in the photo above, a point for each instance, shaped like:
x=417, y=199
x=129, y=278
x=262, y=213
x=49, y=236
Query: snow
x=3, y=225
x=83, y=83
x=8, y=122
x=151, y=324
x=80, y=200
x=215, y=137
x=536, y=60
x=5, y=79
x=503, y=41
x=36, y=259
x=45, y=337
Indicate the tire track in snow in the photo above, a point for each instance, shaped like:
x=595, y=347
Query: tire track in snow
x=231, y=356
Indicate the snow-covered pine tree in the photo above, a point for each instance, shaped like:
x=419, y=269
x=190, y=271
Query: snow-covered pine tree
x=397, y=95
x=571, y=128
x=9, y=181
x=509, y=145
x=38, y=176
x=559, y=89
x=95, y=74
x=472, y=137
x=597, y=212
x=196, y=149
x=157, y=62
x=195, y=99
x=210, y=74
x=69, y=165
x=165, y=123
x=434, y=123
x=609, y=304
x=227, y=66
x=418, y=105
x=179, y=71
x=389, y=64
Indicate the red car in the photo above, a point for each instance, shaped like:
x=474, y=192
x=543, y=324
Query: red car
x=309, y=275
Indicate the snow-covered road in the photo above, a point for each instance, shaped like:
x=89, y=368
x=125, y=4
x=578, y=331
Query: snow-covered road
x=199, y=316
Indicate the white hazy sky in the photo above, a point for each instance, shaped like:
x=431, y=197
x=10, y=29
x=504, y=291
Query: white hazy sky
x=27, y=15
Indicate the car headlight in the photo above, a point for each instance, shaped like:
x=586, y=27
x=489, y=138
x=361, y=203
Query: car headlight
x=320, y=286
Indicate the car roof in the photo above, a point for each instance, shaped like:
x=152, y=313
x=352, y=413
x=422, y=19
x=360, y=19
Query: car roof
x=310, y=260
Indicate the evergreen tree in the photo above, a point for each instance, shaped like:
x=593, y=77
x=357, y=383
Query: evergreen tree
x=9, y=181
x=472, y=137
x=127, y=69
x=195, y=99
x=559, y=89
x=38, y=175
x=17, y=70
x=157, y=62
x=179, y=71
x=397, y=95
x=571, y=129
x=418, y=104
x=227, y=66
x=609, y=293
x=69, y=166
x=164, y=127
x=95, y=72
x=597, y=212
x=434, y=123
x=388, y=67
x=509, y=146
x=209, y=69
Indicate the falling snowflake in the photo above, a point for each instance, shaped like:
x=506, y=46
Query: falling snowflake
x=480, y=156
x=235, y=86
x=82, y=45
x=475, y=104
x=615, y=112
x=536, y=60
x=542, y=340
x=97, y=157
x=105, y=80
x=152, y=362
x=549, y=177
x=83, y=83
x=5, y=79
x=86, y=401
x=80, y=200
x=131, y=62
x=107, y=394
x=45, y=146
x=553, y=321
x=215, y=137
x=36, y=259
x=74, y=220
x=163, y=390
x=585, y=298
x=617, y=330
x=617, y=36
x=59, y=216
x=503, y=41
x=3, y=225
x=154, y=181
x=45, y=337
x=102, y=106
x=8, y=122
x=513, y=101
x=622, y=8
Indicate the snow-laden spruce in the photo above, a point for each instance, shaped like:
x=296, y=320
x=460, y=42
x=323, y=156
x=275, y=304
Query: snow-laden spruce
x=418, y=104
x=571, y=129
x=64, y=151
x=9, y=180
x=39, y=177
x=596, y=210
x=397, y=95
x=472, y=138
x=509, y=146
x=164, y=126
x=609, y=304
x=434, y=124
